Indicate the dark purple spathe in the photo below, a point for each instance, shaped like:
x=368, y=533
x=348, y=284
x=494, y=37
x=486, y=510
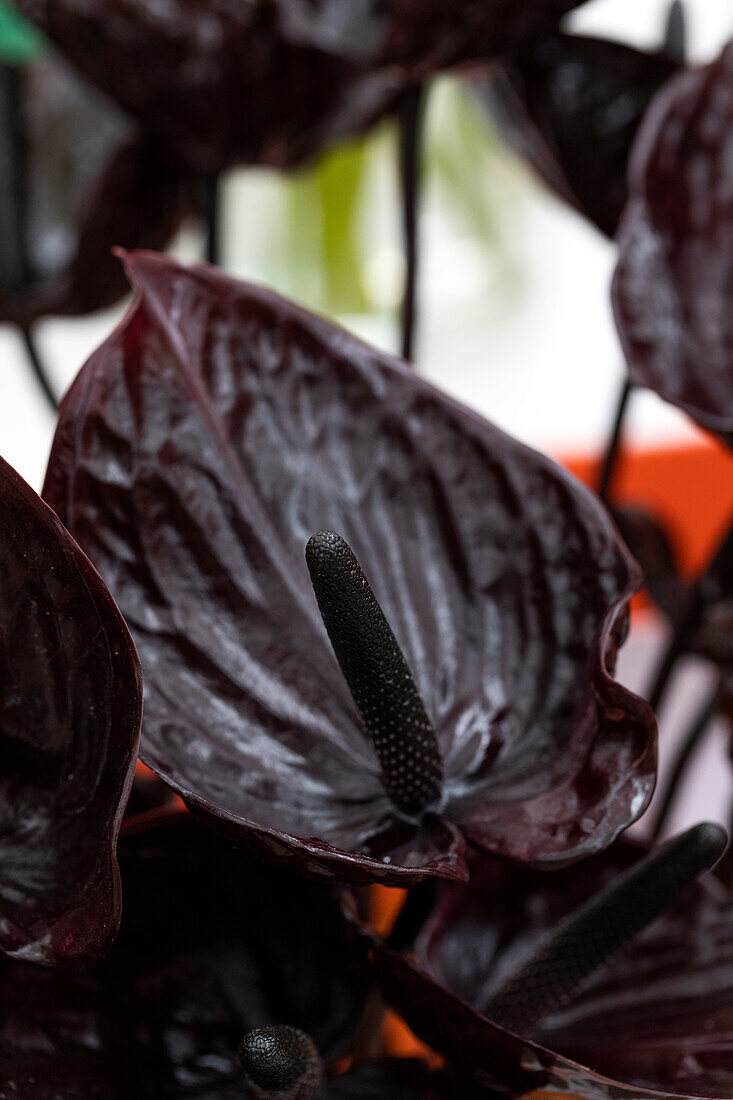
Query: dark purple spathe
x=199, y=450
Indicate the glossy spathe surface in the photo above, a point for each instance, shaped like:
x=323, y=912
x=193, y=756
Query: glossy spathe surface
x=658, y=1019
x=211, y=944
x=571, y=106
x=200, y=448
x=70, y=701
x=672, y=294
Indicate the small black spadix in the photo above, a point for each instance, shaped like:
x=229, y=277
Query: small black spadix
x=588, y=939
x=281, y=1063
x=378, y=675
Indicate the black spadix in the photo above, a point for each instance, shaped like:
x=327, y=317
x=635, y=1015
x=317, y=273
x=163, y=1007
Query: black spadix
x=378, y=675
x=281, y=1063
x=588, y=939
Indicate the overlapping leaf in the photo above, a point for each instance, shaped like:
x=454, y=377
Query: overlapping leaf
x=200, y=448
x=571, y=106
x=659, y=1018
x=78, y=180
x=273, y=82
x=672, y=289
x=211, y=945
x=70, y=701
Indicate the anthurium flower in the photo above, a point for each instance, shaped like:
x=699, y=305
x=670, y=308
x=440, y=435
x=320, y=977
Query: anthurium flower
x=610, y=979
x=211, y=945
x=78, y=179
x=571, y=106
x=672, y=288
x=70, y=705
x=473, y=594
x=272, y=82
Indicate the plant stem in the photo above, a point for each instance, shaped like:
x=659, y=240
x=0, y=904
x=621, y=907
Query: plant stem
x=696, y=733
x=411, y=118
x=613, y=449
x=211, y=188
x=36, y=364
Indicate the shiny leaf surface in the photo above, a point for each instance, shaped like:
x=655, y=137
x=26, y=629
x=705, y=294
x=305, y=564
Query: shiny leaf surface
x=672, y=288
x=658, y=1018
x=270, y=82
x=571, y=107
x=69, y=725
x=199, y=449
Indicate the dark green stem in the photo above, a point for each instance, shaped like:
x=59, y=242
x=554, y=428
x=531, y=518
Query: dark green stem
x=411, y=117
x=281, y=1063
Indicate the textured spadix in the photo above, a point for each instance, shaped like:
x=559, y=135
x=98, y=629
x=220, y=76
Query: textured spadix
x=377, y=674
x=656, y=1017
x=591, y=937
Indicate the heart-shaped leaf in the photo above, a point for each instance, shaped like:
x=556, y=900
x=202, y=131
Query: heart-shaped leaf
x=70, y=708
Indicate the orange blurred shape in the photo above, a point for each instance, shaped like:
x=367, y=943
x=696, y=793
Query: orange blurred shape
x=690, y=489
x=400, y=1042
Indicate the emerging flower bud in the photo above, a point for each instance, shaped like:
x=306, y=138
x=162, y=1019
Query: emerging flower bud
x=281, y=1063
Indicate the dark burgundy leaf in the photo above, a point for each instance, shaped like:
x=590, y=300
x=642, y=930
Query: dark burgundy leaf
x=210, y=436
x=78, y=180
x=228, y=81
x=672, y=288
x=421, y=35
x=211, y=945
x=571, y=106
x=69, y=725
x=657, y=1018
x=652, y=547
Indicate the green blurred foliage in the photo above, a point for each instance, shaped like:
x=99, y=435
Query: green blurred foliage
x=339, y=249
x=19, y=42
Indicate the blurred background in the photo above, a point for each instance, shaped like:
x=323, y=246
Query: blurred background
x=514, y=312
